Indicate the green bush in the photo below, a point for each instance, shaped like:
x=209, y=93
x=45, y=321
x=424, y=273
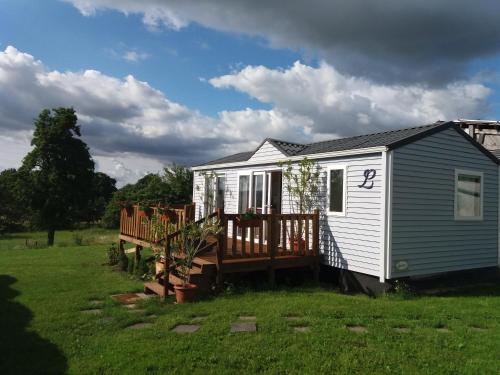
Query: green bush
x=131, y=266
x=77, y=239
x=123, y=262
x=113, y=255
x=142, y=268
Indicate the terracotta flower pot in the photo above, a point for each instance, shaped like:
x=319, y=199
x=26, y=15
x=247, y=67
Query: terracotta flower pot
x=185, y=293
x=295, y=245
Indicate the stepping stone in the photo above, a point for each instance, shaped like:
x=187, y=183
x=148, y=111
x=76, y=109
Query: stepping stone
x=443, y=329
x=139, y=311
x=152, y=316
x=477, y=329
x=126, y=298
x=243, y=327
x=186, y=328
x=357, y=329
x=145, y=296
x=301, y=329
x=139, y=325
x=247, y=318
x=402, y=329
x=106, y=320
x=291, y=318
x=131, y=306
x=95, y=302
x=92, y=311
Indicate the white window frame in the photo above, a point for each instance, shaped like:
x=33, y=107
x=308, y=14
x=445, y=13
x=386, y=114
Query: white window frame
x=455, y=200
x=250, y=180
x=344, y=200
x=220, y=175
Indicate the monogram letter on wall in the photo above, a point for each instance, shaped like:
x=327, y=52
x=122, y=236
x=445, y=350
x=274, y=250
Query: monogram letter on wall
x=369, y=176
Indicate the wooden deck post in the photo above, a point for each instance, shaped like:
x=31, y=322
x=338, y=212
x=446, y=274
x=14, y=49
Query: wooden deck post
x=316, y=245
x=138, y=249
x=271, y=245
x=120, y=246
x=221, y=247
x=166, y=275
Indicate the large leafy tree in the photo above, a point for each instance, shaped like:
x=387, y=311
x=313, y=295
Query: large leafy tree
x=174, y=186
x=103, y=188
x=13, y=209
x=60, y=168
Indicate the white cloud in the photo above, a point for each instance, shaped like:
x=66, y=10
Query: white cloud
x=133, y=128
x=134, y=56
x=339, y=104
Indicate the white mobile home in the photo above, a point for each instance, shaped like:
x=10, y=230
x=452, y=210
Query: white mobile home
x=411, y=202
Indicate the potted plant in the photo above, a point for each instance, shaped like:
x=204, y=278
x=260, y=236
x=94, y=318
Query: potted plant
x=146, y=209
x=128, y=206
x=248, y=219
x=302, y=184
x=159, y=263
x=192, y=237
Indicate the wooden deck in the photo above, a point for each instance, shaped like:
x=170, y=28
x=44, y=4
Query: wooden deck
x=264, y=245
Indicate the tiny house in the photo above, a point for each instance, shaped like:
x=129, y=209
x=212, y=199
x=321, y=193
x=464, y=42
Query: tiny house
x=412, y=202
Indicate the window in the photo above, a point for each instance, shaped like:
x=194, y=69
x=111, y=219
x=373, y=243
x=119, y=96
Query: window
x=336, y=190
x=221, y=191
x=208, y=196
x=468, y=195
x=243, y=192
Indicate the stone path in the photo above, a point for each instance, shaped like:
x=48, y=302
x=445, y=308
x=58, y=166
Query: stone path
x=443, y=329
x=139, y=325
x=292, y=318
x=301, y=329
x=402, y=329
x=131, y=298
x=92, y=311
x=186, y=328
x=243, y=327
x=357, y=329
x=249, y=318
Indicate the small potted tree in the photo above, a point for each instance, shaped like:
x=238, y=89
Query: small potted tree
x=248, y=219
x=302, y=185
x=192, y=238
x=128, y=206
x=146, y=209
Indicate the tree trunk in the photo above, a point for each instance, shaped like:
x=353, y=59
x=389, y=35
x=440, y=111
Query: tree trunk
x=50, y=236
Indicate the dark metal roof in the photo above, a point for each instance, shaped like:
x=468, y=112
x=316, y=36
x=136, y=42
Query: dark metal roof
x=287, y=148
x=390, y=139
x=241, y=156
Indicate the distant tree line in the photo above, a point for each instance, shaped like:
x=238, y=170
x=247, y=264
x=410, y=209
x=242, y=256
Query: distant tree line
x=57, y=187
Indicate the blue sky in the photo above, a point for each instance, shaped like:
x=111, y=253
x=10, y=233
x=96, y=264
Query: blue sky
x=56, y=33
x=158, y=81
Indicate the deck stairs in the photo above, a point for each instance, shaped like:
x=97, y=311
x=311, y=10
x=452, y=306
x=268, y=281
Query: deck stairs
x=203, y=275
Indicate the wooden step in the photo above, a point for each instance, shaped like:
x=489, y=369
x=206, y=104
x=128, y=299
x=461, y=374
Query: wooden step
x=157, y=288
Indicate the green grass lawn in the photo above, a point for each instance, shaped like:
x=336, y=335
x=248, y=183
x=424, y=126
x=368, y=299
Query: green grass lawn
x=43, y=330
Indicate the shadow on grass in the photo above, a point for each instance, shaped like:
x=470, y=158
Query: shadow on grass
x=21, y=351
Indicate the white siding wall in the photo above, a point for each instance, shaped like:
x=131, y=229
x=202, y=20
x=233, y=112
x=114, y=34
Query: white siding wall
x=425, y=234
x=267, y=153
x=351, y=242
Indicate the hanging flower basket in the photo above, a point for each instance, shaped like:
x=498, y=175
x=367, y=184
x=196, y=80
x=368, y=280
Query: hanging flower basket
x=246, y=221
x=128, y=207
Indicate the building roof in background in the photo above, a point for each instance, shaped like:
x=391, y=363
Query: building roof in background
x=390, y=139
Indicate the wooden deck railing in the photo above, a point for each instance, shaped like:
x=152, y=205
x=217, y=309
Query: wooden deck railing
x=135, y=223
x=273, y=235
